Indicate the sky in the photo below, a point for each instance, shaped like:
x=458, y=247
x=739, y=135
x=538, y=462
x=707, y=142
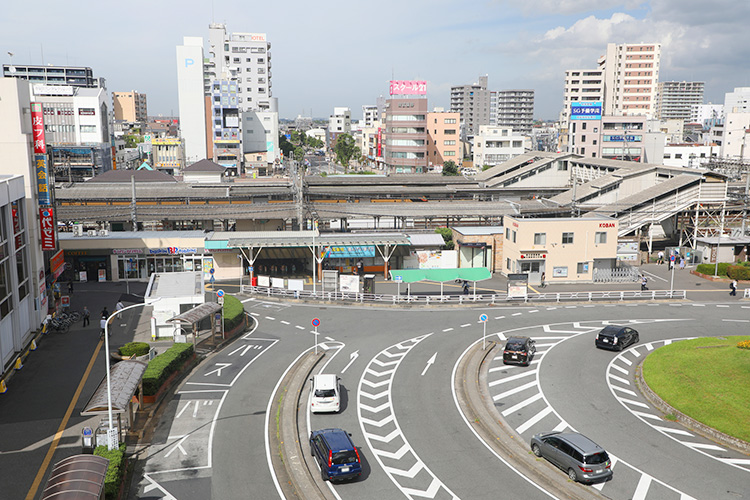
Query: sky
x=343, y=53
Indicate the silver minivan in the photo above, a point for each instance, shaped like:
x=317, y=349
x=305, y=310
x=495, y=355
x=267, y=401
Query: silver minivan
x=325, y=394
x=581, y=458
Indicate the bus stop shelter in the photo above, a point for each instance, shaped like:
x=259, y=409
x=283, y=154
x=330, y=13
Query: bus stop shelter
x=77, y=478
x=441, y=276
x=197, y=314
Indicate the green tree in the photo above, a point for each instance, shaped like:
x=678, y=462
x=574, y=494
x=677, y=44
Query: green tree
x=299, y=153
x=485, y=167
x=285, y=146
x=345, y=149
x=450, y=168
x=447, y=235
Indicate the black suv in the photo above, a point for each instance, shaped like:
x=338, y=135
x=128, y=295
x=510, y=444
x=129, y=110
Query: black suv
x=519, y=351
x=616, y=337
x=335, y=453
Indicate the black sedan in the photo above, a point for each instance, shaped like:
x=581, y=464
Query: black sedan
x=519, y=351
x=616, y=337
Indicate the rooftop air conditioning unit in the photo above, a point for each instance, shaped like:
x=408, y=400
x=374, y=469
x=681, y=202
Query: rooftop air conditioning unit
x=104, y=232
x=77, y=230
x=91, y=232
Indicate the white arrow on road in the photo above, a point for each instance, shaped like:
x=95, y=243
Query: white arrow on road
x=217, y=371
x=429, y=363
x=352, y=357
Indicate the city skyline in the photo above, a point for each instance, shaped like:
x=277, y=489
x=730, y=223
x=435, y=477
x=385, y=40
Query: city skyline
x=340, y=54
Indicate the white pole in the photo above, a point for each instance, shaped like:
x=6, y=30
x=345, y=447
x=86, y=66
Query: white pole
x=484, y=334
x=315, y=269
x=316, y=340
x=110, y=444
x=671, y=284
x=241, y=264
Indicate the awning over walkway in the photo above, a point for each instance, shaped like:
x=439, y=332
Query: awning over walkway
x=196, y=314
x=289, y=239
x=441, y=275
x=77, y=478
x=125, y=377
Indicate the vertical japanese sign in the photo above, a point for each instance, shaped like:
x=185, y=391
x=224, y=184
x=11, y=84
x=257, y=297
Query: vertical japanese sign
x=40, y=153
x=380, y=142
x=47, y=226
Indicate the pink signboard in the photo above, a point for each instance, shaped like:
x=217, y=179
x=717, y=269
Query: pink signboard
x=408, y=87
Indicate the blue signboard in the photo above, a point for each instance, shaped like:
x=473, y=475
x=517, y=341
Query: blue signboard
x=587, y=110
x=42, y=179
x=349, y=251
x=621, y=138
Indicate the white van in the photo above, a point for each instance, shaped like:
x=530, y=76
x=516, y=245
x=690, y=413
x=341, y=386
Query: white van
x=325, y=393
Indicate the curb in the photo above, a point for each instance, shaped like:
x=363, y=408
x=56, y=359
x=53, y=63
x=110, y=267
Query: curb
x=477, y=406
x=692, y=424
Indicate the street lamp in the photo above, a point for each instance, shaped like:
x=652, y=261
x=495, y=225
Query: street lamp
x=112, y=438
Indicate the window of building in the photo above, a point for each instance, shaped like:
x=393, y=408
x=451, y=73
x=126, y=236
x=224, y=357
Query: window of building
x=583, y=268
x=540, y=238
x=19, y=230
x=507, y=233
x=678, y=156
x=600, y=238
x=507, y=263
x=449, y=121
x=450, y=131
x=88, y=129
x=514, y=236
x=236, y=60
x=567, y=238
x=449, y=153
x=449, y=143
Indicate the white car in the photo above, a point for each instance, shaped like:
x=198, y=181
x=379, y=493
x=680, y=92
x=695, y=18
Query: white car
x=325, y=394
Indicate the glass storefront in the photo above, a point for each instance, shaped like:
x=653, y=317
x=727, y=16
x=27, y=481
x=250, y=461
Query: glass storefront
x=141, y=267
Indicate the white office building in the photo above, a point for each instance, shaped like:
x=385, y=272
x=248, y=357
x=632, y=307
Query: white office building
x=582, y=85
x=495, y=145
x=706, y=114
x=191, y=95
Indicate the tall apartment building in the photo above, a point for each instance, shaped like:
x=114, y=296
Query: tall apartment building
x=370, y=115
x=631, y=78
x=515, y=109
x=443, y=140
x=226, y=125
x=473, y=104
x=581, y=85
x=130, y=106
x=245, y=57
x=737, y=101
x=674, y=100
x=706, y=114
x=74, y=76
x=406, y=135
x=340, y=122
x=191, y=98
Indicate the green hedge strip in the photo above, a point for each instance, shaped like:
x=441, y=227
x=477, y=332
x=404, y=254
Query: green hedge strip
x=115, y=469
x=162, y=366
x=137, y=348
x=234, y=312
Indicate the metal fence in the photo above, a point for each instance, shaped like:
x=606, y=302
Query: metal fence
x=623, y=273
x=496, y=298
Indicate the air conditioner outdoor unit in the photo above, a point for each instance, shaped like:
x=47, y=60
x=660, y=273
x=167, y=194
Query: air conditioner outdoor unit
x=104, y=232
x=77, y=230
x=91, y=232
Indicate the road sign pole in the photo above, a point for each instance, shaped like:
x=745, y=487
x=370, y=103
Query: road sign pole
x=484, y=335
x=316, y=340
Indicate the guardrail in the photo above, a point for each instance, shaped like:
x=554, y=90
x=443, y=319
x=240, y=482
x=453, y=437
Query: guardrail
x=496, y=298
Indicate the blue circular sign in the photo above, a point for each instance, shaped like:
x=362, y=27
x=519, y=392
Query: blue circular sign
x=315, y=322
x=212, y=270
x=483, y=318
x=220, y=293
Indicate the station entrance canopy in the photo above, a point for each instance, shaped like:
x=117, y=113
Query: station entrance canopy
x=441, y=275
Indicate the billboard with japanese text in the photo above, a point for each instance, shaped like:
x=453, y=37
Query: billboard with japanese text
x=408, y=87
x=586, y=110
x=47, y=227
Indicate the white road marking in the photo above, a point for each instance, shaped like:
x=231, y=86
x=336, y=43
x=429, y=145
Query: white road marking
x=619, y=379
x=534, y=420
x=178, y=445
x=499, y=317
x=737, y=320
x=642, y=489
x=255, y=314
x=721, y=305
x=183, y=409
x=635, y=403
x=516, y=314
x=465, y=325
x=429, y=363
x=647, y=415
x=533, y=311
x=448, y=330
x=511, y=378
x=270, y=318
x=523, y=404
x=515, y=390
x=621, y=369
x=217, y=371
x=299, y=327
x=352, y=358
x=626, y=391
x=672, y=430
x=654, y=276
x=284, y=322
x=703, y=446
x=699, y=305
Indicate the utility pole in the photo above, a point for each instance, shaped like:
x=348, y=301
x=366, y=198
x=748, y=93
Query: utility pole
x=133, y=216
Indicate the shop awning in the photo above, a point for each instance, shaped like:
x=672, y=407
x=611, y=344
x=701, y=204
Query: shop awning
x=124, y=377
x=292, y=239
x=441, y=275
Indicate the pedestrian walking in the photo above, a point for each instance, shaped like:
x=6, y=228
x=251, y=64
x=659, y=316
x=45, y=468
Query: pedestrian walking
x=465, y=286
x=660, y=260
x=643, y=283
x=70, y=286
x=119, y=307
x=682, y=263
x=86, y=316
x=360, y=267
x=105, y=313
x=542, y=284
x=733, y=286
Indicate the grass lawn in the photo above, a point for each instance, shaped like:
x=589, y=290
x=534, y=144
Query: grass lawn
x=709, y=384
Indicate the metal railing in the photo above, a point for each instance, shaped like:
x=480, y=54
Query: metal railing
x=623, y=273
x=496, y=298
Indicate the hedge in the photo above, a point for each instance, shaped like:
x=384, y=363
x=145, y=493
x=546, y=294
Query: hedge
x=134, y=348
x=739, y=272
x=709, y=268
x=162, y=366
x=115, y=470
x=234, y=312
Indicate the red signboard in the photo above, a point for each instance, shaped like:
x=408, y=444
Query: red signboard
x=57, y=261
x=408, y=87
x=37, y=127
x=380, y=142
x=47, y=228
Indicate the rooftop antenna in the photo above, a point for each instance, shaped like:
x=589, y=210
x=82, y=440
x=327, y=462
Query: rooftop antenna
x=41, y=47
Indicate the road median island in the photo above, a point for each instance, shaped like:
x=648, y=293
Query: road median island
x=477, y=406
x=287, y=450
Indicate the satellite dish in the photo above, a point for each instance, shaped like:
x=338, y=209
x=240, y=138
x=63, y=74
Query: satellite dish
x=12, y=69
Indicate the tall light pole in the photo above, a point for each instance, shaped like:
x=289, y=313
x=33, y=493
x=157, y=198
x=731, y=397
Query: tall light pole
x=113, y=440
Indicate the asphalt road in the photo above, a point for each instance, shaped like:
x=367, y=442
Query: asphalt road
x=396, y=368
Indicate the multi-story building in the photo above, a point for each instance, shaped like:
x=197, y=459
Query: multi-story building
x=735, y=142
x=226, y=131
x=260, y=137
x=406, y=135
x=610, y=137
x=443, y=140
x=472, y=103
x=245, y=57
x=631, y=78
x=191, y=100
x=340, y=122
x=674, y=100
x=495, y=145
x=168, y=154
x=370, y=115
x=706, y=114
x=581, y=85
x=130, y=106
x=515, y=109
x=73, y=76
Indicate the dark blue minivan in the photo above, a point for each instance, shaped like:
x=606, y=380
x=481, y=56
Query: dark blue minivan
x=336, y=454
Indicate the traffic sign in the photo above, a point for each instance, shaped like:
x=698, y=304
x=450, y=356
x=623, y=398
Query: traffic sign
x=219, y=293
x=252, y=268
x=398, y=279
x=211, y=271
x=483, y=318
x=315, y=322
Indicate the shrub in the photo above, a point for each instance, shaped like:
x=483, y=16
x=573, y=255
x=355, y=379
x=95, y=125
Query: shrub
x=739, y=272
x=234, y=312
x=165, y=364
x=745, y=344
x=709, y=268
x=115, y=470
x=134, y=348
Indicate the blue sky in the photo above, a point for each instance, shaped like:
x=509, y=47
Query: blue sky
x=336, y=53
